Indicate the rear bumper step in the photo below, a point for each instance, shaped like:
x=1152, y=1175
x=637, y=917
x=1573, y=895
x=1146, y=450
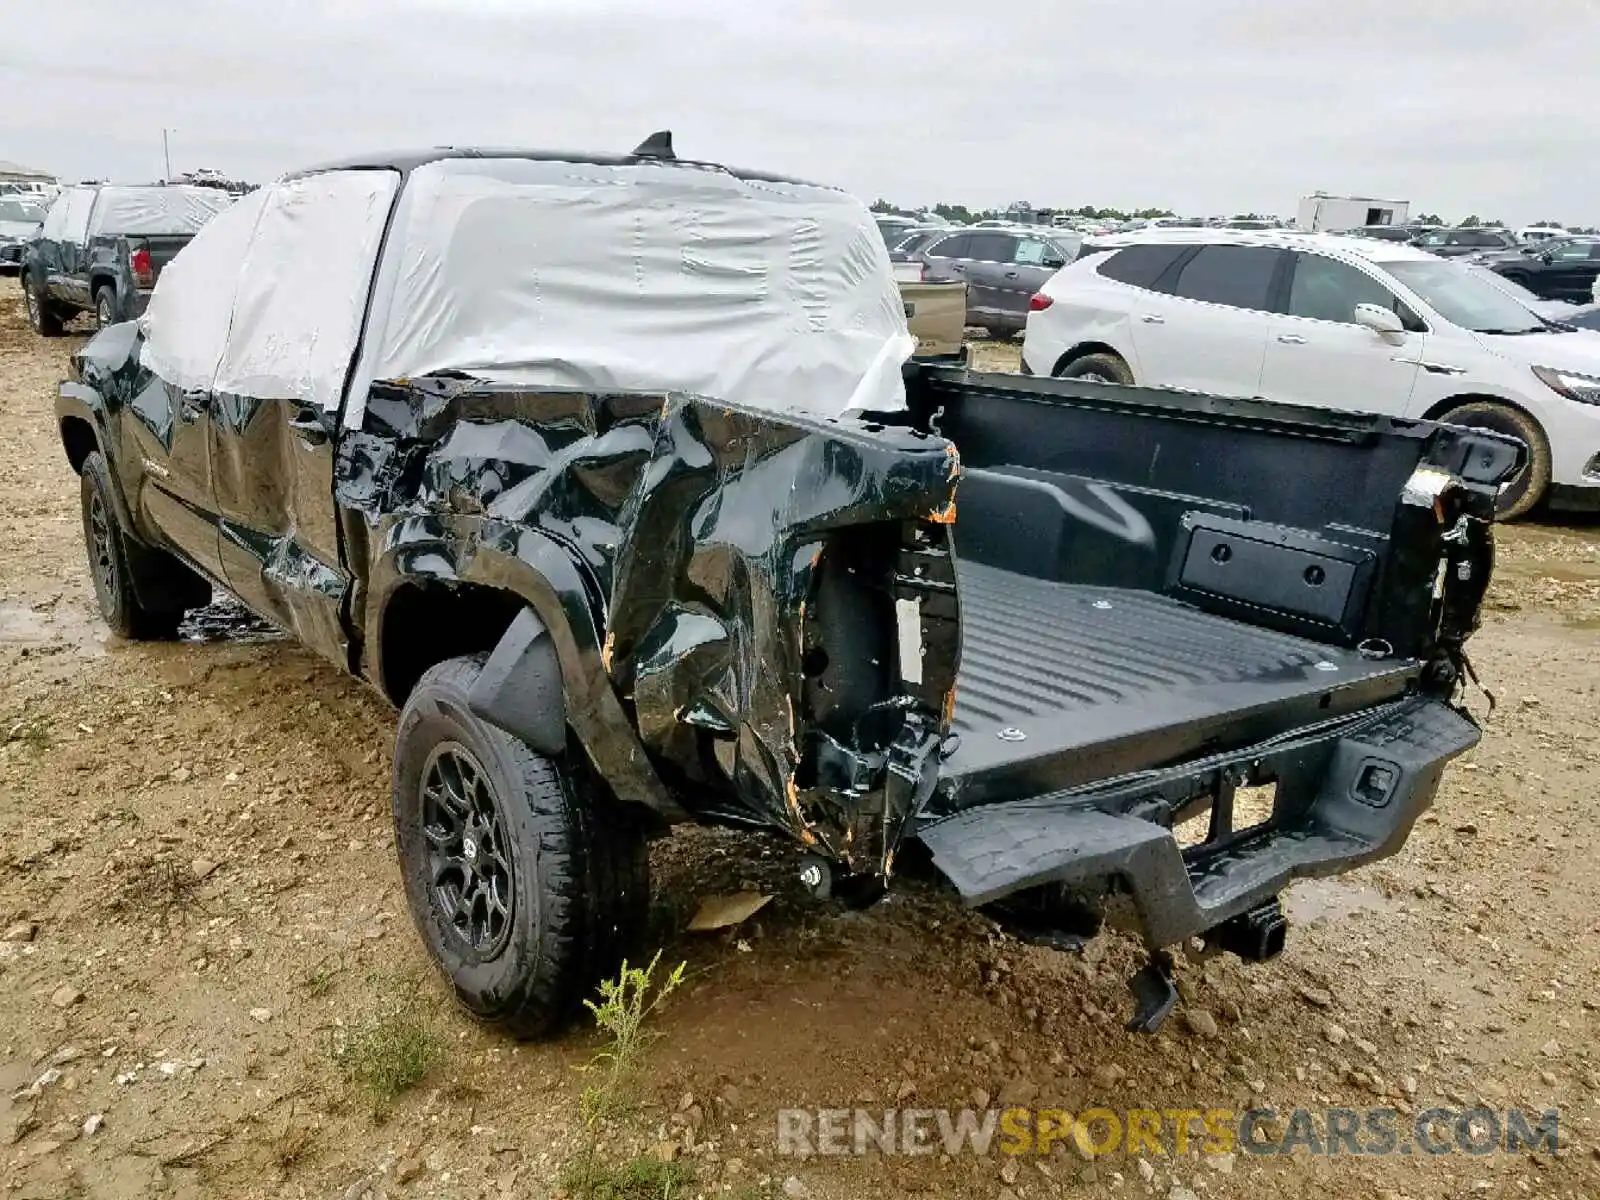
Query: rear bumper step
x=1343, y=799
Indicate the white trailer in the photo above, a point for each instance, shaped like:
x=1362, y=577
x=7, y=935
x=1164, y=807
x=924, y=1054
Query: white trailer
x=1320, y=212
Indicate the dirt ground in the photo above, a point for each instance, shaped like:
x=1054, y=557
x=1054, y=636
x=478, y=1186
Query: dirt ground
x=201, y=905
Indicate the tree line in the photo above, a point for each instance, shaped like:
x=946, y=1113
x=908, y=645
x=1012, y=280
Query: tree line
x=961, y=214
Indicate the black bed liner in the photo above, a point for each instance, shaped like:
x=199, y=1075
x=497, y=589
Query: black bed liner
x=1100, y=680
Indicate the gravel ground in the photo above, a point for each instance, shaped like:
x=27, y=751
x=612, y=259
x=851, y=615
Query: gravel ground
x=200, y=908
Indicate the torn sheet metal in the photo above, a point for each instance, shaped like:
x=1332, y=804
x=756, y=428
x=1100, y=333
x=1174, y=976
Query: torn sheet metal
x=758, y=689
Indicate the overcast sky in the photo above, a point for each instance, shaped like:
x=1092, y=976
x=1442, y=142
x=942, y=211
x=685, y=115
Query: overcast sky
x=1204, y=106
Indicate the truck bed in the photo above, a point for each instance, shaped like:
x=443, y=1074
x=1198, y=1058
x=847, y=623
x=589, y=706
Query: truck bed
x=1103, y=680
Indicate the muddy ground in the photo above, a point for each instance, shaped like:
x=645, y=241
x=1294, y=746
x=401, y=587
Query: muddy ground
x=198, y=888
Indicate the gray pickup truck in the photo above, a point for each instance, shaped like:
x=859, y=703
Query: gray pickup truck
x=102, y=248
x=611, y=472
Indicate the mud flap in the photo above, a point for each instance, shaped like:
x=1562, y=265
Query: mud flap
x=520, y=687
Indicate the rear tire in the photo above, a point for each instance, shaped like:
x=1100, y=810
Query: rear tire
x=1103, y=368
x=142, y=592
x=45, y=320
x=105, y=306
x=1523, y=492
x=527, y=888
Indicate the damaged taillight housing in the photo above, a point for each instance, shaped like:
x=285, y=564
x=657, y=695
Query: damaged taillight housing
x=882, y=632
x=927, y=615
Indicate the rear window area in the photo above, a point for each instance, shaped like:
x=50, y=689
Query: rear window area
x=153, y=211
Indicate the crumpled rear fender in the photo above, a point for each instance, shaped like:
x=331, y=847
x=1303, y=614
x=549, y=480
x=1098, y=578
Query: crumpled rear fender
x=470, y=549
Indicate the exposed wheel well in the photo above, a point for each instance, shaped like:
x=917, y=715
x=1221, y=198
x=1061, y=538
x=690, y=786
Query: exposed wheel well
x=96, y=282
x=78, y=440
x=426, y=623
x=1083, y=350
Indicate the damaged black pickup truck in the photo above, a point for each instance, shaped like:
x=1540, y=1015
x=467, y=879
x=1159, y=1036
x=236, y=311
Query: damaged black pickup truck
x=612, y=474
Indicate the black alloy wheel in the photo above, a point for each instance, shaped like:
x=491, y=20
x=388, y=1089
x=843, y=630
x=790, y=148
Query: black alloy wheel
x=469, y=856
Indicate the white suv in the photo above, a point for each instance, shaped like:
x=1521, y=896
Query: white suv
x=1332, y=322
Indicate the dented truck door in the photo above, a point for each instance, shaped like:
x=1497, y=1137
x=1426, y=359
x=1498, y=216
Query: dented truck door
x=302, y=296
x=272, y=471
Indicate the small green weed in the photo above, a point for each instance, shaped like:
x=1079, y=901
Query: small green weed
x=322, y=977
x=625, y=1004
x=646, y=1178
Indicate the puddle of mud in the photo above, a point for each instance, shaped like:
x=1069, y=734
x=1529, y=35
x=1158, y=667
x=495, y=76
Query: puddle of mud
x=1332, y=900
x=71, y=627
x=58, y=627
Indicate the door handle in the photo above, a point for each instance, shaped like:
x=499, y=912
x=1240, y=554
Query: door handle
x=1153, y=319
x=1291, y=339
x=1011, y=274
x=308, y=427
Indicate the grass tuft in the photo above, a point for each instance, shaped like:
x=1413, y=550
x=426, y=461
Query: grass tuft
x=645, y=1178
x=389, y=1053
x=293, y=1146
x=34, y=734
x=156, y=885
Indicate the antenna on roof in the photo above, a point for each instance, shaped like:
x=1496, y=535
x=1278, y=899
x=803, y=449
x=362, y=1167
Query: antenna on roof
x=657, y=145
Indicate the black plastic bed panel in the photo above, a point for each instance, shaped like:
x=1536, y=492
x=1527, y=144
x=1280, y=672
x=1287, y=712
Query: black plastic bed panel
x=1062, y=684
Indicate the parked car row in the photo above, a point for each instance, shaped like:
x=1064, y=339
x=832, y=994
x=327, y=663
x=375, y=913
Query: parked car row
x=1344, y=324
x=1452, y=243
x=1558, y=269
x=101, y=248
x=1001, y=268
x=1569, y=312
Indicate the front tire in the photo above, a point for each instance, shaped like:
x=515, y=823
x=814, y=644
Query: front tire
x=526, y=887
x=1519, y=496
x=142, y=592
x=1100, y=368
